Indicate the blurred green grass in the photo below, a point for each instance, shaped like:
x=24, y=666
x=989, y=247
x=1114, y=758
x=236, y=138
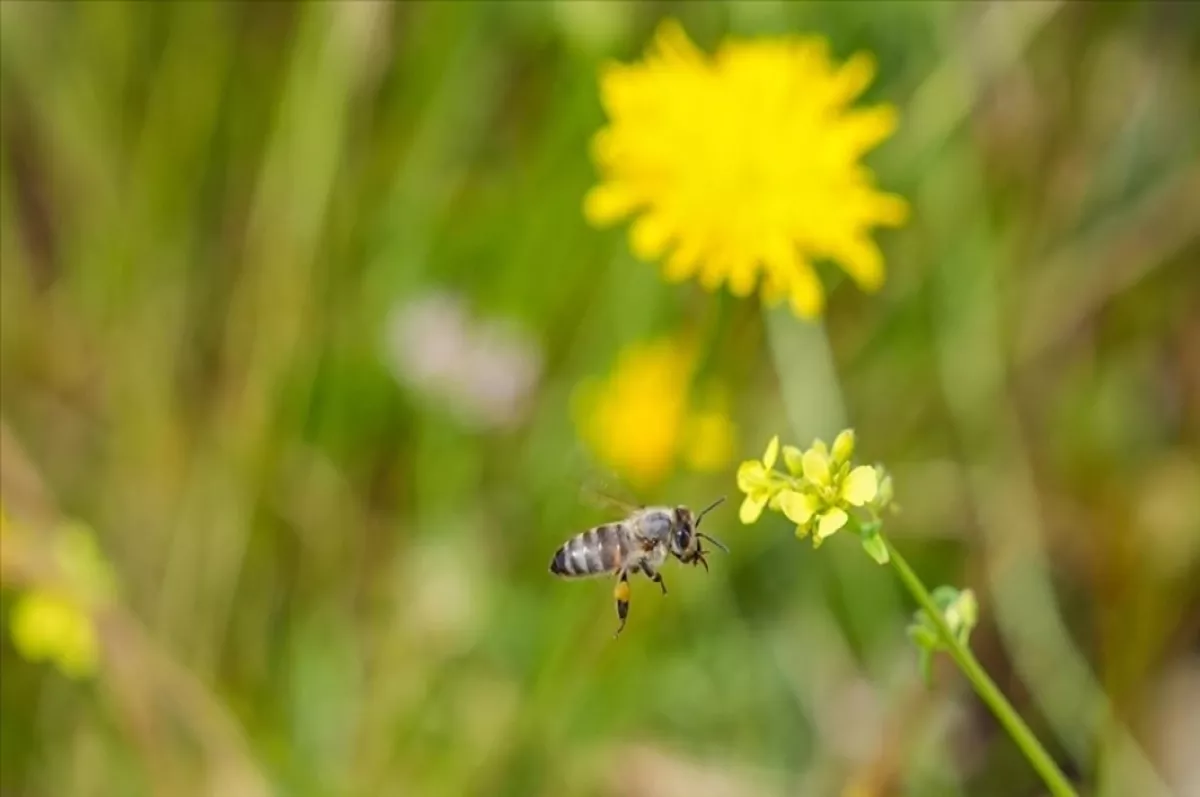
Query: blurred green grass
x=207, y=214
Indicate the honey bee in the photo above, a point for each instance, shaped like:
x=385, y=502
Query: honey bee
x=639, y=543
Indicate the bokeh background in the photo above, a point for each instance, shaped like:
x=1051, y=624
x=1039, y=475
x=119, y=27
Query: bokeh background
x=296, y=305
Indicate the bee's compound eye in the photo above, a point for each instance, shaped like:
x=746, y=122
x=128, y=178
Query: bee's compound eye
x=682, y=537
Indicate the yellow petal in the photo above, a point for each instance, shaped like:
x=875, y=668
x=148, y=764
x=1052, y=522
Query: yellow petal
x=862, y=130
x=788, y=272
x=606, y=204
x=805, y=294
x=794, y=459
x=888, y=210
x=797, y=506
x=860, y=486
x=772, y=453
x=751, y=475
x=830, y=522
x=751, y=508
x=861, y=259
x=712, y=273
x=682, y=262
x=673, y=44
x=816, y=466
x=843, y=446
x=743, y=276
x=853, y=77
x=649, y=237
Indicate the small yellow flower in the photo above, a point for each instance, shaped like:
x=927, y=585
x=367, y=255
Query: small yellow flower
x=754, y=479
x=798, y=507
x=820, y=493
x=744, y=167
x=836, y=489
x=640, y=420
x=50, y=627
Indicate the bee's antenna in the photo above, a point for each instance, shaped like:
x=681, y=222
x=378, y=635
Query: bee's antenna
x=708, y=509
x=713, y=540
x=700, y=517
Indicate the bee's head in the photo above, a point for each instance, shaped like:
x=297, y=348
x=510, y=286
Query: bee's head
x=686, y=540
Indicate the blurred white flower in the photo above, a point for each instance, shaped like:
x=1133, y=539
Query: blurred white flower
x=850, y=719
x=442, y=594
x=646, y=769
x=482, y=370
x=1175, y=712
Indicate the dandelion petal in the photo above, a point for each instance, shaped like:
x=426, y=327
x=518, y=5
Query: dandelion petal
x=607, y=204
x=805, y=294
x=650, y=236
x=682, y=263
x=862, y=260
x=887, y=209
x=863, y=130
x=853, y=77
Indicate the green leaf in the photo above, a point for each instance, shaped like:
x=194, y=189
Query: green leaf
x=876, y=548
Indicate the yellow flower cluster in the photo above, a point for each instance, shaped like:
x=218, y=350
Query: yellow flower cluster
x=819, y=492
x=55, y=623
x=744, y=167
x=642, y=419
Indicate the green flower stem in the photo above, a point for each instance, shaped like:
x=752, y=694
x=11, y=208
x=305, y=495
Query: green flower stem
x=984, y=686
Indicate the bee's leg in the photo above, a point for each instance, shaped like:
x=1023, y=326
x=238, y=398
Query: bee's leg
x=621, y=593
x=654, y=576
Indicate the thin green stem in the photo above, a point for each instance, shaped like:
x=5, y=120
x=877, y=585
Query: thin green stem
x=984, y=686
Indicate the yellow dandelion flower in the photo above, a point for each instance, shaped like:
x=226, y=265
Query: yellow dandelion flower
x=744, y=167
x=640, y=420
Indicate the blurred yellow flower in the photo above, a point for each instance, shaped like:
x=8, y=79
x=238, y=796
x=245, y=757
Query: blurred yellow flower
x=745, y=164
x=708, y=440
x=51, y=627
x=640, y=420
x=53, y=622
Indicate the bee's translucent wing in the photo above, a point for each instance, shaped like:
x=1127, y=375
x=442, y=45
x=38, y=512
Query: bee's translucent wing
x=600, y=498
x=603, y=489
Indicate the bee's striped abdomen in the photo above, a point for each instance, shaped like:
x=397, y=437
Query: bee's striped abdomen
x=594, y=552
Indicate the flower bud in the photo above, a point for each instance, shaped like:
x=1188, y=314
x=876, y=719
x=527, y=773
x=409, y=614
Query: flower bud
x=843, y=446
